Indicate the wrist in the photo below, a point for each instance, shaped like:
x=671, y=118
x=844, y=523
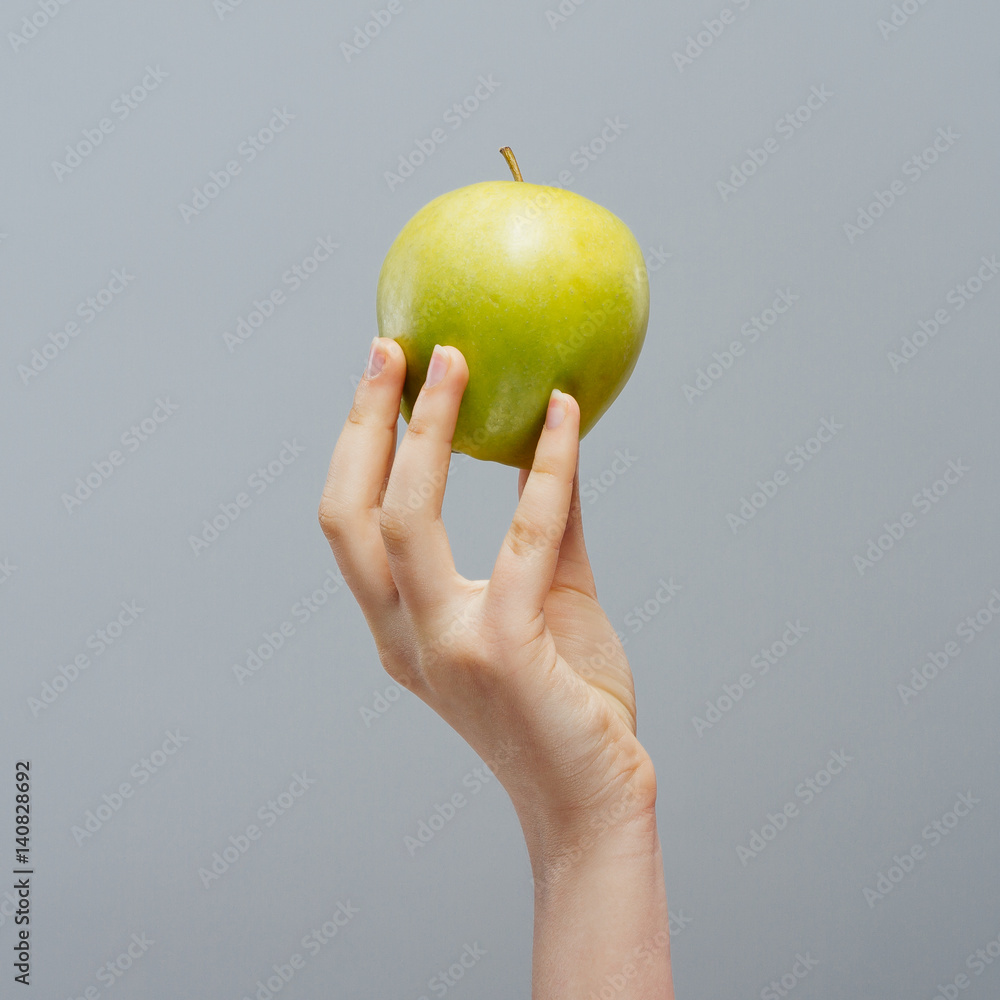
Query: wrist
x=619, y=827
x=601, y=914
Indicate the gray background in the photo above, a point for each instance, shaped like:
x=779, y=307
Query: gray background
x=716, y=261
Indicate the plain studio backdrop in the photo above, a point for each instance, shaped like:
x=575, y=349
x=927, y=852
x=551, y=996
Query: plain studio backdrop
x=790, y=509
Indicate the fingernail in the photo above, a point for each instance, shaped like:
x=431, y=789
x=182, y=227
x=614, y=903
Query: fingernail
x=557, y=410
x=436, y=370
x=376, y=359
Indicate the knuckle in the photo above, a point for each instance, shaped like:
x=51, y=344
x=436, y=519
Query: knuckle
x=521, y=538
x=356, y=415
x=526, y=538
x=548, y=465
x=401, y=670
x=397, y=531
x=419, y=426
x=458, y=639
x=333, y=518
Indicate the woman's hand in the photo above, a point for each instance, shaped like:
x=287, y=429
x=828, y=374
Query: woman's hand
x=525, y=665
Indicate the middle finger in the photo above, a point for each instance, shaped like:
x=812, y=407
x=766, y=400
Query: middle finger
x=416, y=543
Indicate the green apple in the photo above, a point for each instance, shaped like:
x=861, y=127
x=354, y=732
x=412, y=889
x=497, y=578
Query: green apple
x=538, y=287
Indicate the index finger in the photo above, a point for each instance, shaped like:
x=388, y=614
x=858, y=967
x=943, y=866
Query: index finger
x=359, y=470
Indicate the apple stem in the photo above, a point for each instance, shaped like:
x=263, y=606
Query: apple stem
x=508, y=155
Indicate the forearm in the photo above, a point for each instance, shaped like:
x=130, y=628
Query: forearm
x=601, y=921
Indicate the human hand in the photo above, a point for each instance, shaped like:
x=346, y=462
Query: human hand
x=525, y=665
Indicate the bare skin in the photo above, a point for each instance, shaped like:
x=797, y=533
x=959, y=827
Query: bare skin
x=525, y=666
